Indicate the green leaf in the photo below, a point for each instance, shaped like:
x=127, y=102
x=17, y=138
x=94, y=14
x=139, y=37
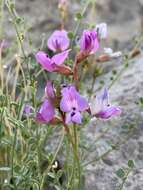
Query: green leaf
x=131, y=164
x=57, y=188
x=141, y=100
x=71, y=35
x=120, y=173
x=78, y=16
x=114, y=72
x=52, y=175
x=18, y=20
x=59, y=174
x=125, y=126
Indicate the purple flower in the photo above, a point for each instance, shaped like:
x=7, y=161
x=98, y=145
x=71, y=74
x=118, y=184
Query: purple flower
x=101, y=108
x=58, y=41
x=47, y=112
x=73, y=104
x=89, y=42
x=49, y=90
x=28, y=109
x=54, y=64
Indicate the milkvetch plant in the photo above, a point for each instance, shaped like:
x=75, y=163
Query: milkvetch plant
x=40, y=135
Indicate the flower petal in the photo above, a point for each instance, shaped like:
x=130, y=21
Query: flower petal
x=109, y=112
x=65, y=104
x=59, y=58
x=28, y=109
x=82, y=103
x=89, y=42
x=68, y=100
x=58, y=41
x=45, y=61
x=102, y=30
x=49, y=90
x=77, y=118
x=95, y=45
x=73, y=99
x=46, y=112
x=68, y=118
x=99, y=102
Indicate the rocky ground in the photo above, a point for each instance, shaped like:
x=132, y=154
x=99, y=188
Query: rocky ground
x=126, y=93
x=125, y=18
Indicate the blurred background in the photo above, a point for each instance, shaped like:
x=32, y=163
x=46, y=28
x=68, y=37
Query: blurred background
x=124, y=17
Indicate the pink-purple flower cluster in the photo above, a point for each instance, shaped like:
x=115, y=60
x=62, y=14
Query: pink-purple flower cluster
x=70, y=103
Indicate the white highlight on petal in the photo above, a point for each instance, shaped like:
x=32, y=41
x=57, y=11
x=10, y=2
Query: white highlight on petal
x=102, y=30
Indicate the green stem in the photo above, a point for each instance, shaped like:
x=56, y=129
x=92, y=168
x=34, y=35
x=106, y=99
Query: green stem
x=38, y=152
x=13, y=151
x=71, y=177
x=19, y=115
x=1, y=123
x=115, y=147
x=54, y=157
x=117, y=77
x=12, y=12
x=126, y=63
x=98, y=158
x=1, y=18
x=76, y=157
x=124, y=180
x=79, y=23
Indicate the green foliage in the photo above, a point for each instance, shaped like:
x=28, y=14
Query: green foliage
x=131, y=164
x=123, y=174
x=120, y=173
x=71, y=35
x=78, y=16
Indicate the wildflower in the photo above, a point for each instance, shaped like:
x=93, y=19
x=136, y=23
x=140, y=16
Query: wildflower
x=58, y=41
x=111, y=54
x=101, y=108
x=47, y=112
x=73, y=104
x=54, y=64
x=101, y=30
x=89, y=42
x=28, y=109
x=49, y=90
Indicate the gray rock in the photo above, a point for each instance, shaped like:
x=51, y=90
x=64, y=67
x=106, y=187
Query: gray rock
x=125, y=92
